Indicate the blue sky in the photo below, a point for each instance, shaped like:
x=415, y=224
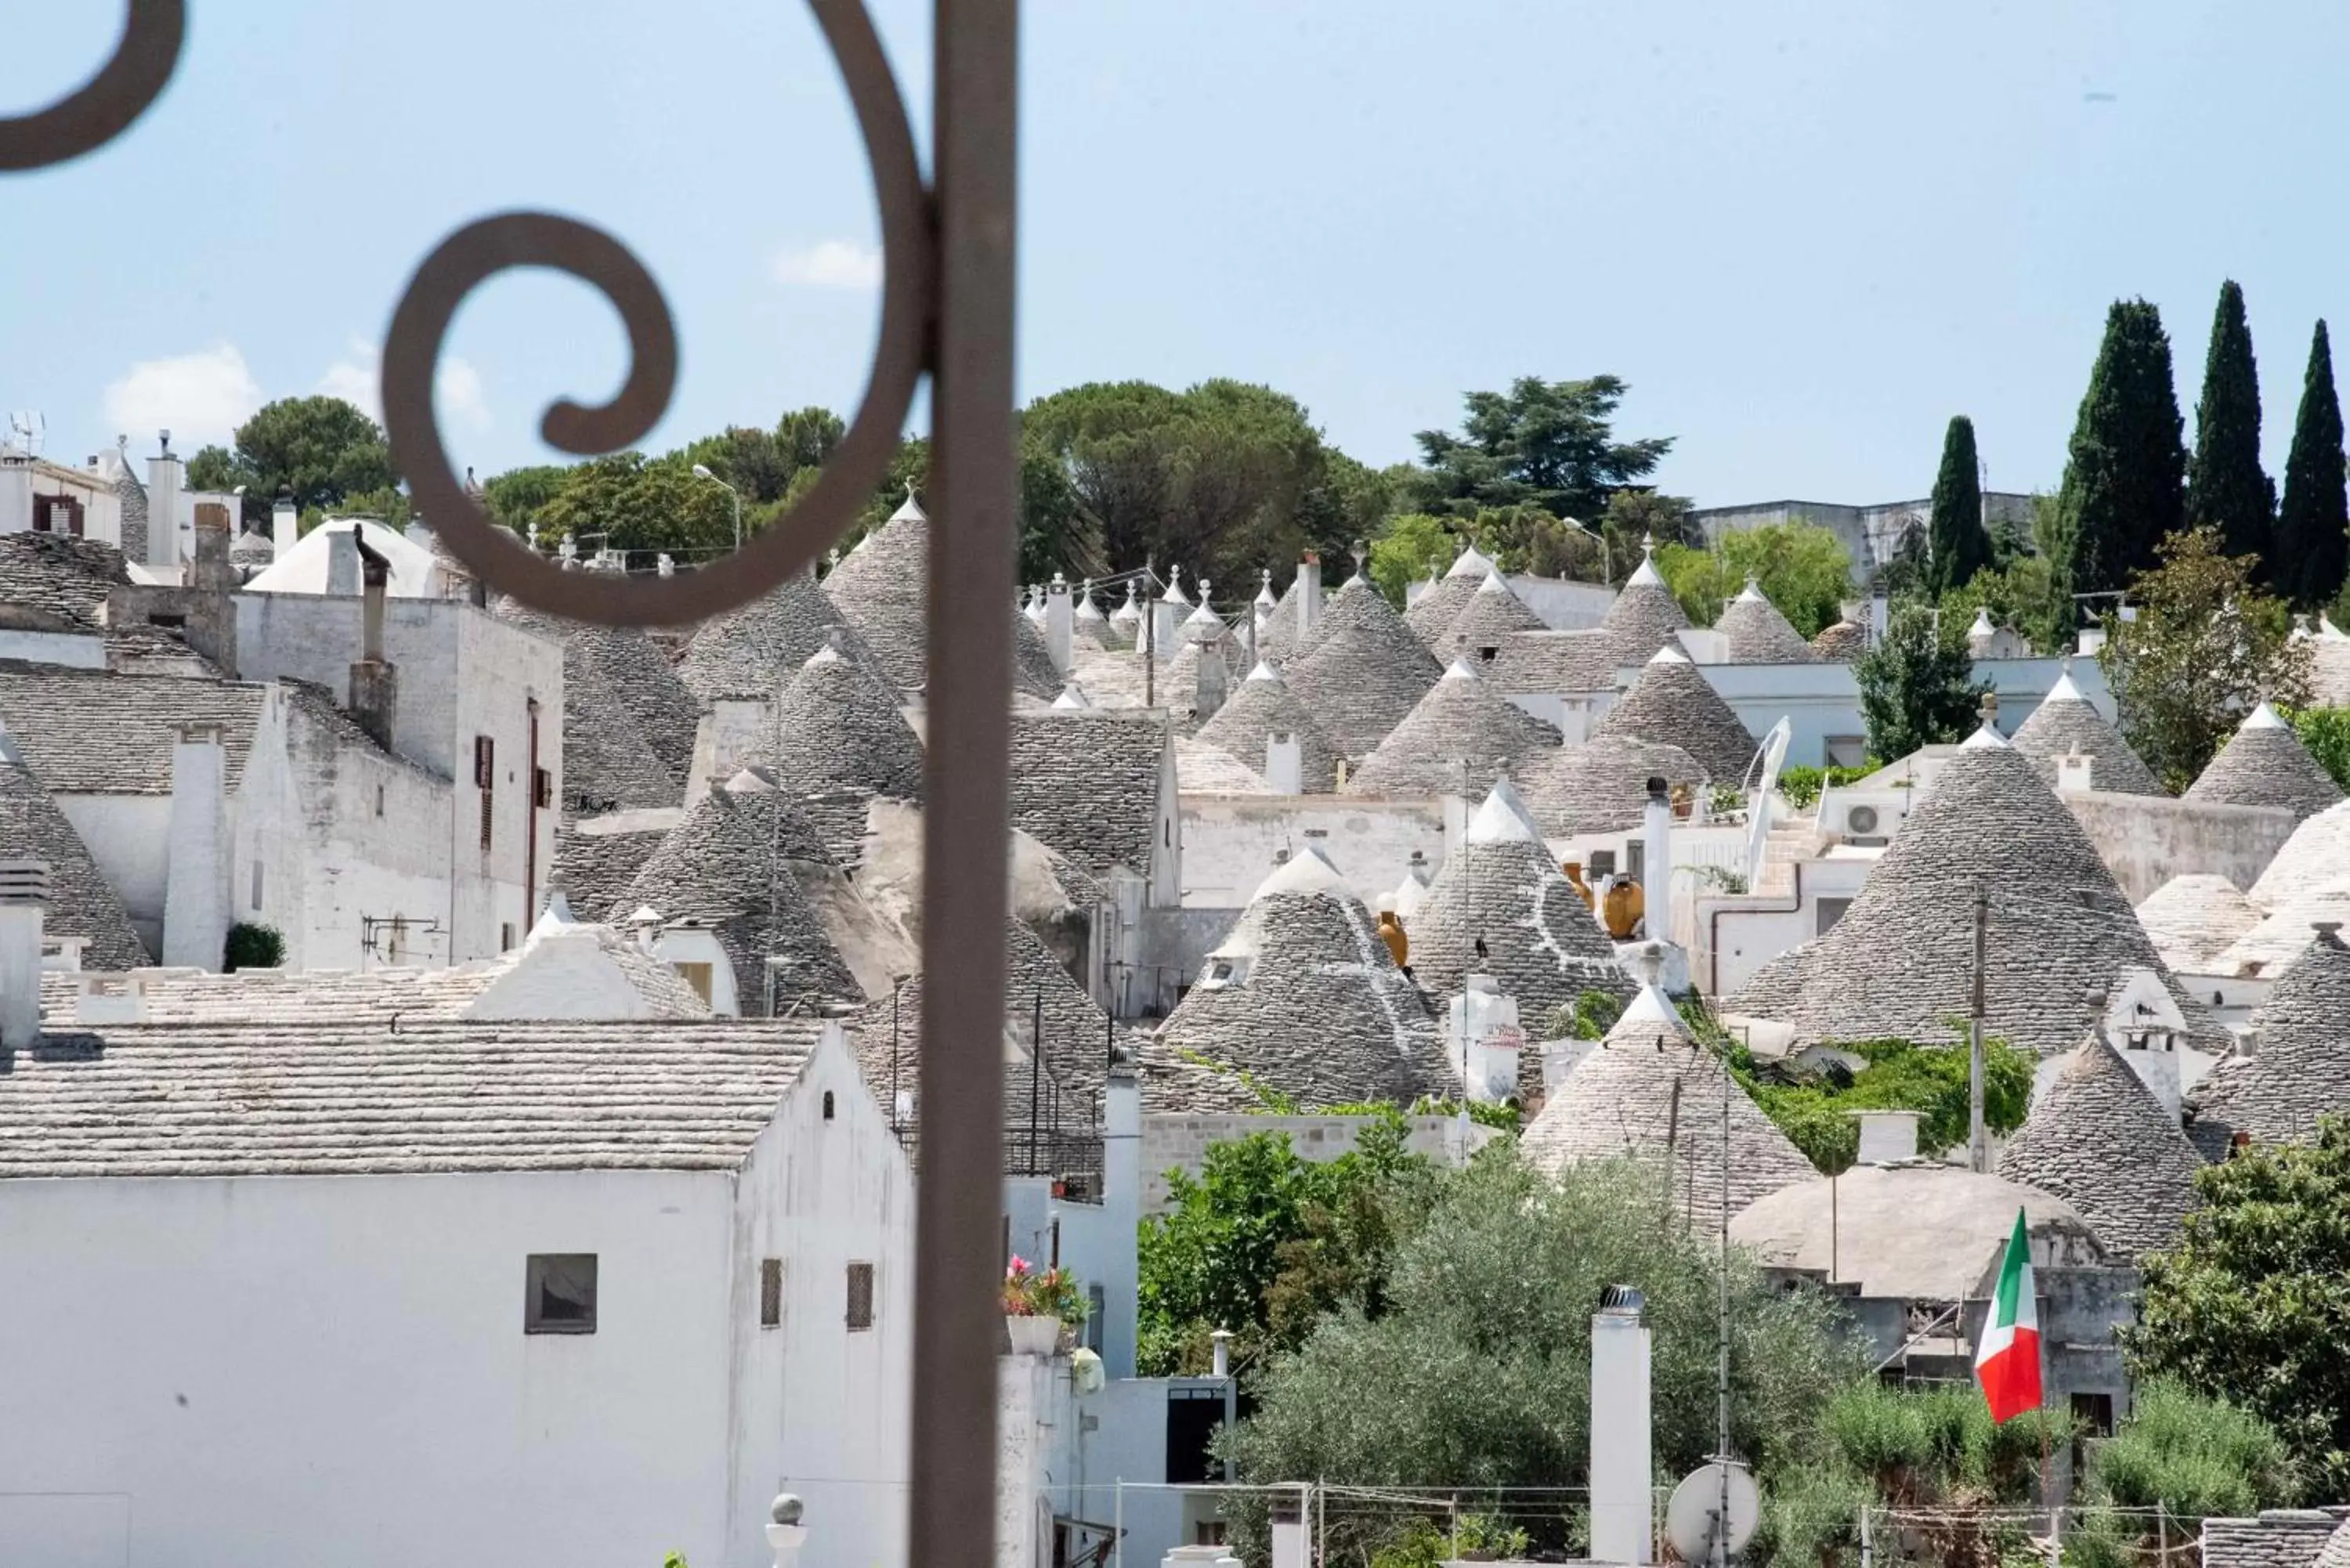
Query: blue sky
x=1806, y=234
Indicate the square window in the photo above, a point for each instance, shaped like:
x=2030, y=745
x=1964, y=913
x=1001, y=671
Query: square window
x=861, y=1297
x=559, y=1294
x=771, y=1293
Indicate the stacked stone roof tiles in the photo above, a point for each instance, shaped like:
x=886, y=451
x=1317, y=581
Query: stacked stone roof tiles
x=133, y=496
x=82, y=903
x=1649, y=1092
x=1756, y=633
x=1085, y=782
x=635, y=676
x=1499, y=886
x=1430, y=615
x=397, y=1096
x=2065, y=722
x=1204, y=769
x=2277, y=1538
x=1899, y=963
x=1459, y=739
x=728, y=863
x=609, y=760
x=2312, y=860
x=253, y=549
x=1601, y=785
x=1263, y=706
x=754, y=650
x=2098, y=1138
x=1494, y=615
x=596, y=868
x=2300, y=1067
x=1565, y=662
x=1645, y=616
x=2194, y=919
x=1365, y=670
x=836, y=728
x=882, y=587
x=1842, y=641
x=86, y=731
x=1318, y=1011
x=1673, y=704
x=60, y=575
x=1279, y=639
x=2264, y=764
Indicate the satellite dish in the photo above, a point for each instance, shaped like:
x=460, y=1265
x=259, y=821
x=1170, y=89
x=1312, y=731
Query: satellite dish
x=1689, y=1517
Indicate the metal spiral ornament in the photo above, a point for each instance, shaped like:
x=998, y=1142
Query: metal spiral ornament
x=856, y=468
x=104, y=107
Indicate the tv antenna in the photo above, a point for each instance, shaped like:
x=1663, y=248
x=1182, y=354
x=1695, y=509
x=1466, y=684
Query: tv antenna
x=26, y=432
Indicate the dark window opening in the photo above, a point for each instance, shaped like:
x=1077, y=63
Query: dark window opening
x=827, y=1104
x=543, y=789
x=1096, y=1306
x=488, y=802
x=771, y=1293
x=1194, y=1416
x=486, y=763
x=861, y=1296
x=169, y=622
x=559, y=1294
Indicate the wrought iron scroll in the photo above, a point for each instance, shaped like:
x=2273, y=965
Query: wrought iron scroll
x=104, y=107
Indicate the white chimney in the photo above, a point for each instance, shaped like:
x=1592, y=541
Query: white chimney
x=785, y=1533
x=343, y=560
x=285, y=528
x=1622, y=1469
x=1656, y=863
x=1887, y=1137
x=1290, y=1547
x=1060, y=622
x=1482, y=1039
x=1199, y=1557
x=1122, y=1209
x=164, y=477
x=1284, y=765
x=2074, y=774
x=195, y=889
x=16, y=492
x=1309, y=595
x=24, y=899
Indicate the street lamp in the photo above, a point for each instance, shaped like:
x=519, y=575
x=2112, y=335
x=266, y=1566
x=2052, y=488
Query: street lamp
x=1607, y=557
x=702, y=472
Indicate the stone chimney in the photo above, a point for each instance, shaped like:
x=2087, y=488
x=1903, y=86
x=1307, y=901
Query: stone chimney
x=343, y=561
x=24, y=902
x=209, y=569
x=1285, y=764
x=195, y=886
x=1122, y=1207
x=1656, y=863
x=1309, y=595
x=375, y=684
x=16, y=491
x=1622, y=1467
x=285, y=526
x=164, y=474
x=1060, y=622
x=2075, y=773
x=1887, y=1137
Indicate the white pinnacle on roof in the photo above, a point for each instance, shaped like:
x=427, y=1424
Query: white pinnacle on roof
x=1471, y=562
x=1265, y=599
x=1459, y=669
x=1981, y=626
x=2064, y=691
x=1503, y=819
x=1493, y=582
x=555, y=916
x=1087, y=610
x=1751, y=594
x=1265, y=671
x=910, y=510
x=1205, y=619
x=1174, y=593
x=1072, y=696
x=1410, y=894
x=1988, y=736
x=1668, y=654
x=1130, y=611
x=2263, y=716
x=1308, y=871
x=1652, y=1006
x=1646, y=573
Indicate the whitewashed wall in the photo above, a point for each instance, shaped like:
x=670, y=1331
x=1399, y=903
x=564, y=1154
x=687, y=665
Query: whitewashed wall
x=1229, y=842
x=129, y=837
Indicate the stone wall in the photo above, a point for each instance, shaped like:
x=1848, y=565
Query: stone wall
x=2145, y=840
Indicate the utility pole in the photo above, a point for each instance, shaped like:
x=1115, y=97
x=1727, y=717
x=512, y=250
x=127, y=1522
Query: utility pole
x=1978, y=1144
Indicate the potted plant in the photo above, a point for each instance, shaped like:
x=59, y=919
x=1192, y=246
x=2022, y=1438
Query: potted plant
x=1036, y=1302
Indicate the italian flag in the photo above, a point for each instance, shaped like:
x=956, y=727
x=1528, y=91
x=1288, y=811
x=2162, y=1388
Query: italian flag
x=2007, y=1355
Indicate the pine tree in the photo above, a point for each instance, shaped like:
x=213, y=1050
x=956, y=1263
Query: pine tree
x=2313, y=530
x=2225, y=487
x=2124, y=475
x=1961, y=547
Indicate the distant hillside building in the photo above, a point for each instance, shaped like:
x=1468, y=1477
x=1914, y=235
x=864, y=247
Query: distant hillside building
x=1870, y=534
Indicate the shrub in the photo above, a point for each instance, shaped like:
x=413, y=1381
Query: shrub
x=252, y=946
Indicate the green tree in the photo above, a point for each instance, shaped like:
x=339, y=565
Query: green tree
x=1478, y=1372
x=215, y=469
x=1913, y=690
x=1801, y=566
x=2326, y=732
x=1056, y=533
x=317, y=450
x=2255, y=1298
x=1264, y=1242
x=1815, y=1107
x=2206, y=645
x=1960, y=546
x=2226, y=490
x=2024, y=594
x=1403, y=554
x=2312, y=555
x=516, y=497
x=631, y=502
x=2126, y=469
x=1550, y=443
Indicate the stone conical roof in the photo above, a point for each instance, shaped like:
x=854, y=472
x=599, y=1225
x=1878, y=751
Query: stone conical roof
x=1493, y=616
x=1313, y=1007
x=1125, y=622
x=1500, y=886
x=1842, y=641
x=882, y=587
x=1601, y=785
x=2098, y=1138
x=1649, y=1092
x=755, y=651
x=82, y=903
x=1898, y=964
x=837, y=728
x=1644, y=617
x=2316, y=858
x=1432, y=614
x=1366, y=673
x=1261, y=707
x=2300, y=1066
x=2194, y=918
x=639, y=677
x=1458, y=739
x=1279, y=639
x=2264, y=764
x=2064, y=723
x=1671, y=704
x=1032, y=670
x=608, y=765
x=729, y=862
x=1757, y=633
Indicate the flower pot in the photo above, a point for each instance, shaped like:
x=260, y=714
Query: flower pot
x=1033, y=1335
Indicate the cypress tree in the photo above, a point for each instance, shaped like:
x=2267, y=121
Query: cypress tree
x=2313, y=530
x=2127, y=465
x=2226, y=490
x=1960, y=547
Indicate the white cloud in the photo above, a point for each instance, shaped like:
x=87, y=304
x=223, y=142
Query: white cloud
x=834, y=264
x=200, y=397
x=358, y=379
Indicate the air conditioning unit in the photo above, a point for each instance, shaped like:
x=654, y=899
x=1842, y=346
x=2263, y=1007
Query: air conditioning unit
x=1860, y=821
